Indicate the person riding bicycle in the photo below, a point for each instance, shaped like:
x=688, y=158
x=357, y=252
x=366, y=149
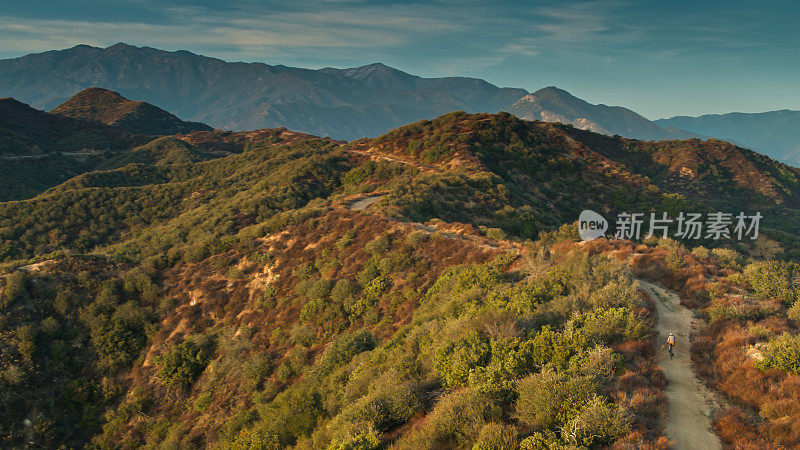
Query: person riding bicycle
x=671, y=342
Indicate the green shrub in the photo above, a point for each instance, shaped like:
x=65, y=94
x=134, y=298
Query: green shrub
x=388, y=406
x=455, y=360
x=379, y=245
x=344, y=348
x=375, y=288
x=782, y=353
x=435, y=153
x=26, y=342
x=183, y=363
x=701, y=252
x=741, y=312
x=553, y=348
x=549, y=399
x=346, y=239
x=496, y=436
x=294, y=413
x=611, y=325
x=254, y=438
x=495, y=234
x=369, y=272
x=455, y=422
x=319, y=289
x=417, y=237
x=14, y=289
x=258, y=367
x=343, y=291
x=457, y=280
x=728, y=259
x=676, y=253
x=775, y=279
x=514, y=357
x=284, y=372
x=542, y=440
x=759, y=331
x=302, y=335
x=50, y=326
x=794, y=313
x=357, y=436
x=12, y=374
x=615, y=294
x=524, y=297
x=598, y=423
x=358, y=174
x=117, y=338
x=601, y=363
x=566, y=232
x=203, y=401
x=312, y=310
x=492, y=380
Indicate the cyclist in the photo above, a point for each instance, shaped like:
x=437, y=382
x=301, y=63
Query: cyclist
x=671, y=344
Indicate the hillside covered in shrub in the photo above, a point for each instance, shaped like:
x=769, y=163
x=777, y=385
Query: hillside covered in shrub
x=423, y=289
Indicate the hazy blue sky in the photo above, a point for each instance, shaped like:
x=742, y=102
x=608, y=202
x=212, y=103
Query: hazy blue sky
x=660, y=58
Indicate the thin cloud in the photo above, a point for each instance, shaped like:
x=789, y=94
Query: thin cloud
x=243, y=34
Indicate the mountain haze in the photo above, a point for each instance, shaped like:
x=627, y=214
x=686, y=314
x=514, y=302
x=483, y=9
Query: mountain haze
x=552, y=104
x=342, y=103
x=774, y=133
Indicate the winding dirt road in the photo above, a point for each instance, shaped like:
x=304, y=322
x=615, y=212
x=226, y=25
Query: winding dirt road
x=691, y=404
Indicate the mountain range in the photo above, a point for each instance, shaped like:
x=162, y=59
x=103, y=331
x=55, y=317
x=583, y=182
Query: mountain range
x=347, y=103
x=775, y=133
x=340, y=103
x=420, y=289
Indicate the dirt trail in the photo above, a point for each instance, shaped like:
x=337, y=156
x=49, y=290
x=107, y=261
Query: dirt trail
x=691, y=404
x=375, y=155
x=364, y=203
x=45, y=155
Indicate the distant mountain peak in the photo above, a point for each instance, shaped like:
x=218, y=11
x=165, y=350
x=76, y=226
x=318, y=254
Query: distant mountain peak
x=95, y=94
x=121, y=45
x=553, y=104
x=380, y=75
x=11, y=101
x=85, y=46
x=553, y=94
x=555, y=90
x=111, y=108
x=376, y=65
